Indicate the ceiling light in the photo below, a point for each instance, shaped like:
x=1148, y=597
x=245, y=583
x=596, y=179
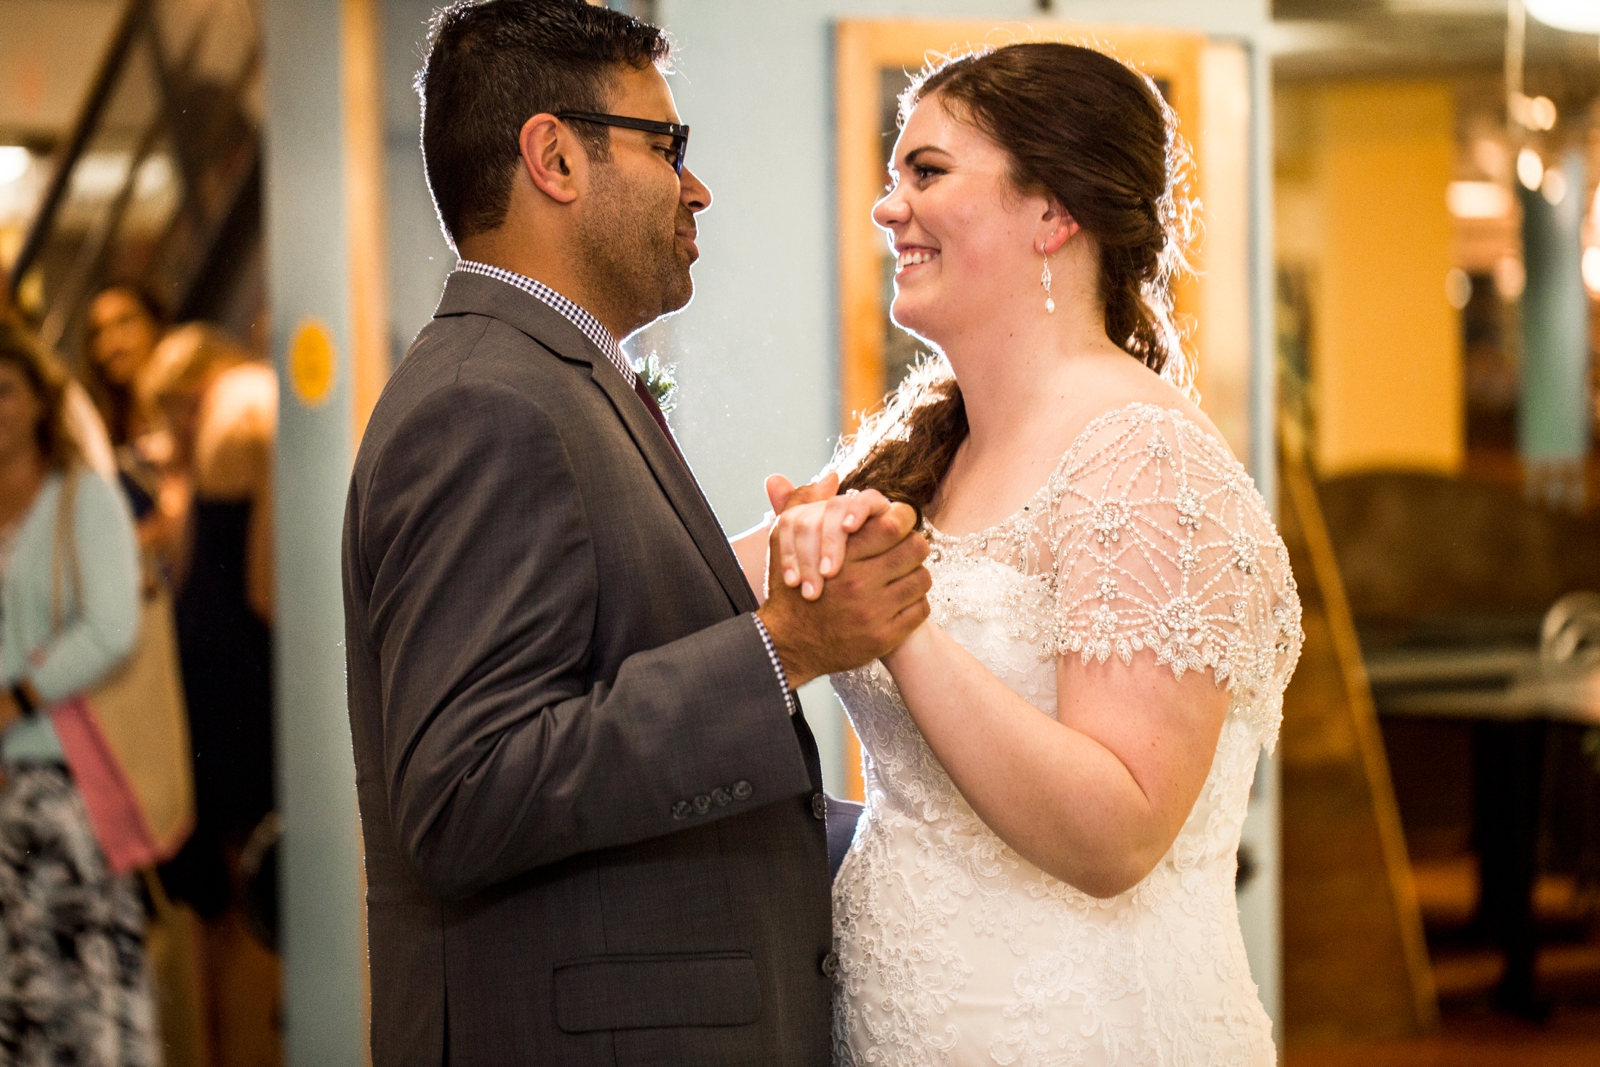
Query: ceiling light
x=1509, y=277
x=1591, y=269
x=1530, y=168
x=1554, y=186
x=1478, y=200
x=14, y=162
x=1541, y=113
x=1579, y=16
x=1533, y=112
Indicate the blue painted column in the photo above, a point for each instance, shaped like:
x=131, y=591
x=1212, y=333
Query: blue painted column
x=1553, y=412
x=307, y=242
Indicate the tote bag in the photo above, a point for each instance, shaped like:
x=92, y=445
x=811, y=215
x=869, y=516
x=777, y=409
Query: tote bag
x=126, y=740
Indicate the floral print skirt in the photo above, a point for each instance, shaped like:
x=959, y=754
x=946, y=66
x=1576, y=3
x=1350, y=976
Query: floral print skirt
x=74, y=986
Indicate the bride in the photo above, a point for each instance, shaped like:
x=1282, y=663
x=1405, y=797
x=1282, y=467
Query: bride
x=1058, y=762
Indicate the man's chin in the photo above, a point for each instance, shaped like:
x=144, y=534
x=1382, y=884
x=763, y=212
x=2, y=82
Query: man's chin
x=679, y=295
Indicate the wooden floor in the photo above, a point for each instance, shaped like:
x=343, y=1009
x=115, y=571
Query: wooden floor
x=1570, y=1037
x=1471, y=1033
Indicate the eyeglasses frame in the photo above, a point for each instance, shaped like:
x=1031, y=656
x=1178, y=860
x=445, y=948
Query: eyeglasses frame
x=678, y=133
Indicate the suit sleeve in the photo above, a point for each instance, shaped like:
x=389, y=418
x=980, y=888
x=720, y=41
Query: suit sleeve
x=500, y=758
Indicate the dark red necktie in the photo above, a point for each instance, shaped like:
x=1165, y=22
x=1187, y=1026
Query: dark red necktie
x=655, y=413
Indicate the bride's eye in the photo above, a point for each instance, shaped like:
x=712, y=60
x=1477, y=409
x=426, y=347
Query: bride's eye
x=925, y=171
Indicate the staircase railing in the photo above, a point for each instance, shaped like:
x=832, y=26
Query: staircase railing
x=185, y=106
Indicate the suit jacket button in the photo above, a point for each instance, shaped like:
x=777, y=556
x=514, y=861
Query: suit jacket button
x=830, y=965
x=742, y=790
x=721, y=797
x=819, y=806
x=702, y=804
x=680, y=810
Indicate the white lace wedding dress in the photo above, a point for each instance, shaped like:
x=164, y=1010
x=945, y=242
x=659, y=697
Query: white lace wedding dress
x=1151, y=543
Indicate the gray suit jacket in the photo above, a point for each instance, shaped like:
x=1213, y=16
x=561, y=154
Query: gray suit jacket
x=593, y=833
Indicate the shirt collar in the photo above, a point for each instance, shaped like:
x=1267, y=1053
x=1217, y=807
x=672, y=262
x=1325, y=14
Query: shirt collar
x=586, y=323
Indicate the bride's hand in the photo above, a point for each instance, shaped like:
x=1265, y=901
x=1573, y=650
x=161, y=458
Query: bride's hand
x=813, y=525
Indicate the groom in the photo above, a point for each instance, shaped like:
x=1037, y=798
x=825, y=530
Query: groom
x=592, y=809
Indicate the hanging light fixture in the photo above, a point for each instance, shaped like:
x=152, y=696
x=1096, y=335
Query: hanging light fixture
x=1579, y=16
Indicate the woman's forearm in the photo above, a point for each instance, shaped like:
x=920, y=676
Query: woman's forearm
x=751, y=549
x=1063, y=800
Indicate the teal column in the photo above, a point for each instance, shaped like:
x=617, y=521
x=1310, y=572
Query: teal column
x=1553, y=414
x=307, y=241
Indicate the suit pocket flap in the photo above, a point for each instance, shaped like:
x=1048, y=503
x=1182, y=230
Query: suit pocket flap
x=639, y=992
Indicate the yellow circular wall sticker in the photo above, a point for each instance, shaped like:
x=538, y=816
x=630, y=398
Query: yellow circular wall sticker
x=311, y=362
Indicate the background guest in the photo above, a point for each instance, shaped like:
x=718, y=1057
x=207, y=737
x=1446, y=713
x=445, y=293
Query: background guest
x=74, y=986
x=219, y=408
x=125, y=325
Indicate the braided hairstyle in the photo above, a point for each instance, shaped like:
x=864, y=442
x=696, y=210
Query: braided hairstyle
x=1096, y=137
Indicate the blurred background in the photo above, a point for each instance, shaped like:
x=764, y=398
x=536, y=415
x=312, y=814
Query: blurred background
x=1392, y=318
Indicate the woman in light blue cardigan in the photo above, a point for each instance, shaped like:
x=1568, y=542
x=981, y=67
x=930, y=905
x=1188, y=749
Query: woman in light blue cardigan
x=74, y=986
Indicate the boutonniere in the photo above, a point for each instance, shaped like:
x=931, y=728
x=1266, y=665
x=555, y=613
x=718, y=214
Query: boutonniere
x=661, y=379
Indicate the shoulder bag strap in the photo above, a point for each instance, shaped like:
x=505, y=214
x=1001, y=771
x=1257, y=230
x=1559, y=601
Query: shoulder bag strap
x=64, y=567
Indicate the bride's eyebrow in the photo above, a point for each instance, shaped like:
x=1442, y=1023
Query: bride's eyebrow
x=911, y=156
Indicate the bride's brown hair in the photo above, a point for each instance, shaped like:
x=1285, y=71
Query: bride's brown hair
x=1097, y=138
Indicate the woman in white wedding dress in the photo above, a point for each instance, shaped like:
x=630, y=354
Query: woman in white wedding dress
x=1058, y=762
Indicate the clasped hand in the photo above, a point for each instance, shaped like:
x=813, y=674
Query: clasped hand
x=846, y=581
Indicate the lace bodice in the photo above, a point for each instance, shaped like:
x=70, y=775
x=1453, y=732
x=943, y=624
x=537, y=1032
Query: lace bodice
x=1148, y=540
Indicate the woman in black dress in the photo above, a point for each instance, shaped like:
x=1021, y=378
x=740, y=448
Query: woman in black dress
x=220, y=408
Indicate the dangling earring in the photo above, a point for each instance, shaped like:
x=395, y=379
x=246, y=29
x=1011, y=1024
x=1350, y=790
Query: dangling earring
x=1044, y=280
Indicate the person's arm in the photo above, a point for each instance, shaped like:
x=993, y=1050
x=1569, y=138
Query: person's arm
x=1162, y=603
x=502, y=751
x=750, y=548
x=1095, y=797
x=102, y=632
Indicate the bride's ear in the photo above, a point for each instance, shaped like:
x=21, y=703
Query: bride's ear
x=1056, y=228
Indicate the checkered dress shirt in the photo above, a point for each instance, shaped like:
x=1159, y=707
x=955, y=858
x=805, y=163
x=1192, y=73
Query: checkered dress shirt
x=590, y=327
x=586, y=323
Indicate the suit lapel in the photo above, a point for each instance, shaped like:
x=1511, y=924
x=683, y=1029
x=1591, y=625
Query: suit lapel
x=673, y=475
x=476, y=294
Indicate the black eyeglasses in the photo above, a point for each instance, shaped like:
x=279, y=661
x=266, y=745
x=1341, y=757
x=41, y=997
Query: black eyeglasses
x=679, y=134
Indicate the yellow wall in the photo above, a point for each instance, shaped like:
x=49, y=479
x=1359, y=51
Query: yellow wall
x=1362, y=204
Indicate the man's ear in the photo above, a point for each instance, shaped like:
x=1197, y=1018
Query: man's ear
x=553, y=158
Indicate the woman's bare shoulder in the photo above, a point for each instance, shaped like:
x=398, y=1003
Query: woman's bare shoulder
x=1123, y=388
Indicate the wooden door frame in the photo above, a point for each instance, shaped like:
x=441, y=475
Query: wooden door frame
x=862, y=48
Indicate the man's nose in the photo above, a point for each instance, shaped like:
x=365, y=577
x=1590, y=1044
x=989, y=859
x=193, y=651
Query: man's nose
x=694, y=194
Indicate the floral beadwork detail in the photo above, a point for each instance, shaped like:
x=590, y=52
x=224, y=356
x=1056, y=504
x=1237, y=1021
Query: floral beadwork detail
x=1148, y=540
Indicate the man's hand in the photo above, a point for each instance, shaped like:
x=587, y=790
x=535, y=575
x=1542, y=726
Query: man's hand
x=876, y=597
x=812, y=527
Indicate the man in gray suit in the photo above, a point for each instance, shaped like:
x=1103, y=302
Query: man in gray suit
x=592, y=809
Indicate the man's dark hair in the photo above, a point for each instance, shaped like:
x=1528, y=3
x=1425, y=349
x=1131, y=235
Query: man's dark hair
x=493, y=64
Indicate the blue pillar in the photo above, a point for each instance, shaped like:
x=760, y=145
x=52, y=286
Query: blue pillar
x=307, y=242
x=1553, y=414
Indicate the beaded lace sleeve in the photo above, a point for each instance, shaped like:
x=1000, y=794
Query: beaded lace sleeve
x=1161, y=546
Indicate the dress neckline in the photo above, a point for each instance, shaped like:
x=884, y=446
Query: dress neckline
x=998, y=529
